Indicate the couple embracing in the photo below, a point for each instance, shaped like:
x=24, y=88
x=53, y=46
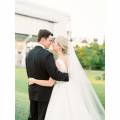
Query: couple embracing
x=59, y=89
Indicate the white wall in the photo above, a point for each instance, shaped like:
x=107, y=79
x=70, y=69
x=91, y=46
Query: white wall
x=60, y=29
x=28, y=25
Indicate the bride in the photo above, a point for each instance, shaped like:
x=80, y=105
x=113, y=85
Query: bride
x=73, y=100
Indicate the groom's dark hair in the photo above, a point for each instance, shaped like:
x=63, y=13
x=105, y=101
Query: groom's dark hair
x=43, y=33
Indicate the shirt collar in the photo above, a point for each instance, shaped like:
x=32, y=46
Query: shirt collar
x=38, y=44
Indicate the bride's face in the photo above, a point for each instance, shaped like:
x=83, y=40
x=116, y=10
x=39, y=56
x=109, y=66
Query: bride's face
x=56, y=46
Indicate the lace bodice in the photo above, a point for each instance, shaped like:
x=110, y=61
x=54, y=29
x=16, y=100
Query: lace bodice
x=61, y=65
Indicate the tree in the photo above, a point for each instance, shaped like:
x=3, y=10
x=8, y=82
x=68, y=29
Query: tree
x=92, y=56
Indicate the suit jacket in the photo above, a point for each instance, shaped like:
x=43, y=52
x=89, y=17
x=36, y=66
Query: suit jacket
x=40, y=64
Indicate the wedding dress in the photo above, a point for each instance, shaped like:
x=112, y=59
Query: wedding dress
x=76, y=99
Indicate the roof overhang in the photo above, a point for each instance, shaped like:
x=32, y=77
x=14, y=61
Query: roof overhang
x=26, y=8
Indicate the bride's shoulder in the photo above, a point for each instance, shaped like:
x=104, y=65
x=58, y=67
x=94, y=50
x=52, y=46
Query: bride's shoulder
x=61, y=64
x=58, y=61
x=63, y=59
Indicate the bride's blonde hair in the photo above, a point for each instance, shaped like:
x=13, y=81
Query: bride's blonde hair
x=63, y=42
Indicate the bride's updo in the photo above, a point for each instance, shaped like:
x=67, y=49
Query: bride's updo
x=63, y=42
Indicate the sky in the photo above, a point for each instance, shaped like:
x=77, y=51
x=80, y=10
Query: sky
x=87, y=16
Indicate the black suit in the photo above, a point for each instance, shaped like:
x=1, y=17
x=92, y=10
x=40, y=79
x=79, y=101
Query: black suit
x=40, y=64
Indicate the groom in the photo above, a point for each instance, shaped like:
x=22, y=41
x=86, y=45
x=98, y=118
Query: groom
x=40, y=64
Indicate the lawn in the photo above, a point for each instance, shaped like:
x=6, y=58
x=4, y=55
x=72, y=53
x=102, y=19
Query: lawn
x=22, y=102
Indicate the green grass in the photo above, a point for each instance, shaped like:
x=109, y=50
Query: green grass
x=22, y=101
x=99, y=85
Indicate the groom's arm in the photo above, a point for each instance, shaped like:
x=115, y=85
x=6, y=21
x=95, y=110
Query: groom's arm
x=53, y=70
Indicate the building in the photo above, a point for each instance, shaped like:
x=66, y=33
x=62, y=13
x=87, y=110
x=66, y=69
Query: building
x=29, y=19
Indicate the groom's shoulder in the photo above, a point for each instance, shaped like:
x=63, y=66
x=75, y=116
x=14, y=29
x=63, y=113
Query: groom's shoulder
x=46, y=53
x=41, y=52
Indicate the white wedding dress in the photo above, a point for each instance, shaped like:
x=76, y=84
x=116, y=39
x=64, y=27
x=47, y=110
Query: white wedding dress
x=76, y=99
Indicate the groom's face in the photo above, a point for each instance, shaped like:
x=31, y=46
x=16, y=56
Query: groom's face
x=48, y=41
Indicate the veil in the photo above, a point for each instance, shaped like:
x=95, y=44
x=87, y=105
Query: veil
x=85, y=92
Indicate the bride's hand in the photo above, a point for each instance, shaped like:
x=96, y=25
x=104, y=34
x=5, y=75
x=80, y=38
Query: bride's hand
x=31, y=81
x=51, y=82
